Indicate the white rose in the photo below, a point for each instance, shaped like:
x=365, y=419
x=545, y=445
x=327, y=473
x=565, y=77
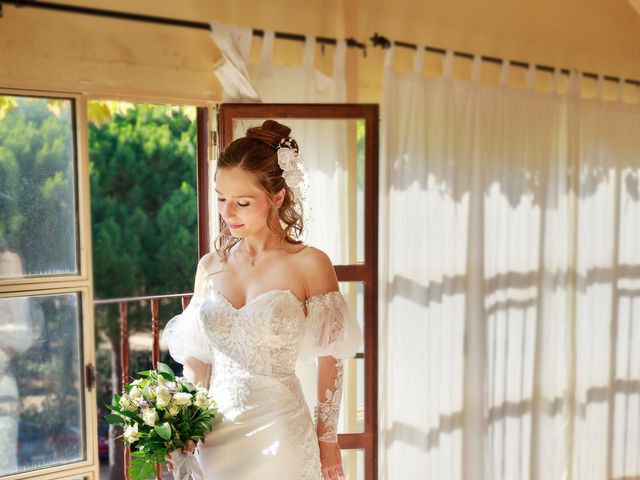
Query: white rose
x=150, y=416
x=151, y=392
x=126, y=403
x=182, y=398
x=202, y=400
x=163, y=397
x=135, y=393
x=286, y=158
x=203, y=390
x=173, y=410
x=131, y=433
x=293, y=177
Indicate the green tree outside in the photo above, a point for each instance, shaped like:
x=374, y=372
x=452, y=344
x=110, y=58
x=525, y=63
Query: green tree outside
x=143, y=216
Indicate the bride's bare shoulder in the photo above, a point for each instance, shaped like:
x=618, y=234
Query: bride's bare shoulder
x=320, y=276
x=312, y=254
x=210, y=263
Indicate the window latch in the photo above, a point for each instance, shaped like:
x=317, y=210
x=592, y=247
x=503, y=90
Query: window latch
x=90, y=376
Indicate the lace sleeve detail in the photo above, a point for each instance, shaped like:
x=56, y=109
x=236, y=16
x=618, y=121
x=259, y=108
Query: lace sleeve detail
x=331, y=330
x=184, y=335
x=328, y=408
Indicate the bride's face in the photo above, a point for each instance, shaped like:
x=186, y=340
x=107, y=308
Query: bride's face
x=244, y=206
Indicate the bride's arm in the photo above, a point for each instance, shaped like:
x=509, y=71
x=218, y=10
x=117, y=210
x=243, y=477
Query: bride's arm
x=327, y=414
x=329, y=397
x=195, y=370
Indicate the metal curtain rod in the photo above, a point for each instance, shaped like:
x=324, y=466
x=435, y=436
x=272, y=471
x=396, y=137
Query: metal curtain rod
x=376, y=40
x=97, y=12
x=384, y=42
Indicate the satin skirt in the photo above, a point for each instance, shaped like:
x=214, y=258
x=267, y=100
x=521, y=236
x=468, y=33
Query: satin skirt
x=263, y=430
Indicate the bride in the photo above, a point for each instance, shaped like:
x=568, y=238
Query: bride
x=262, y=300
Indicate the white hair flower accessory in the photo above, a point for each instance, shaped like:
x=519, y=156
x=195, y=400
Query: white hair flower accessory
x=290, y=162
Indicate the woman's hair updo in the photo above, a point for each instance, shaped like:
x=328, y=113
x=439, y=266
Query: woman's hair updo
x=256, y=153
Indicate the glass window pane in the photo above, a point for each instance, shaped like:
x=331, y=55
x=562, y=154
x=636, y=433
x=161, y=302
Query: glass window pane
x=41, y=388
x=352, y=407
x=333, y=157
x=354, y=293
x=353, y=464
x=360, y=163
x=38, y=233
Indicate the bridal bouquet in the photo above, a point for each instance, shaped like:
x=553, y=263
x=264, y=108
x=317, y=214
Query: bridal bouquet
x=160, y=413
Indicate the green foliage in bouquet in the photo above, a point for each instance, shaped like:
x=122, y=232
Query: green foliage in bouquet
x=159, y=413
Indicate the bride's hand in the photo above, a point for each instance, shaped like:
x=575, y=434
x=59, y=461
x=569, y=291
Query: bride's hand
x=190, y=447
x=331, y=461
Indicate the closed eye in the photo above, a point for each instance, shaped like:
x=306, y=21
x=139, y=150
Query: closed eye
x=240, y=204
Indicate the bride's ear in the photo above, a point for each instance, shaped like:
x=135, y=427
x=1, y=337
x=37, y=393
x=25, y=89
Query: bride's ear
x=279, y=197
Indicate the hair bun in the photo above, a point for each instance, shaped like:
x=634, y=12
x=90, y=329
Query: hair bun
x=270, y=132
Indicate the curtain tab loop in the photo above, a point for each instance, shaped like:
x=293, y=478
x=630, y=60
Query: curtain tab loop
x=504, y=72
x=267, y=47
x=388, y=57
x=531, y=72
x=579, y=82
x=599, y=87
x=447, y=64
x=309, y=50
x=621, y=90
x=476, y=68
x=555, y=83
x=575, y=82
x=418, y=60
x=340, y=56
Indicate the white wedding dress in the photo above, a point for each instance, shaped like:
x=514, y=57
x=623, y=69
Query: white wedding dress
x=264, y=429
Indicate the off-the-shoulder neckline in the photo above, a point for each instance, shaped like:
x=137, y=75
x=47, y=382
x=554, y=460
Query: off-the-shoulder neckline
x=253, y=299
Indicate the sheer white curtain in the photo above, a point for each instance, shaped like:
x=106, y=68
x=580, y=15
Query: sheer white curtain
x=510, y=281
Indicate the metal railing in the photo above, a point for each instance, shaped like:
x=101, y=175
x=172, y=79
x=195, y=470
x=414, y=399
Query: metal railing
x=122, y=454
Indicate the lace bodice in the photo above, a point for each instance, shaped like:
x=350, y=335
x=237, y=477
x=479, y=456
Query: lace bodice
x=265, y=338
x=260, y=338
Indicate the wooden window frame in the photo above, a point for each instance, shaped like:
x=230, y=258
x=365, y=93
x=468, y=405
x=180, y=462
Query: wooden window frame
x=80, y=283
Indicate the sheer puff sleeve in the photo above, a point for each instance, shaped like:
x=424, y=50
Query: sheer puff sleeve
x=331, y=334
x=184, y=336
x=330, y=330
